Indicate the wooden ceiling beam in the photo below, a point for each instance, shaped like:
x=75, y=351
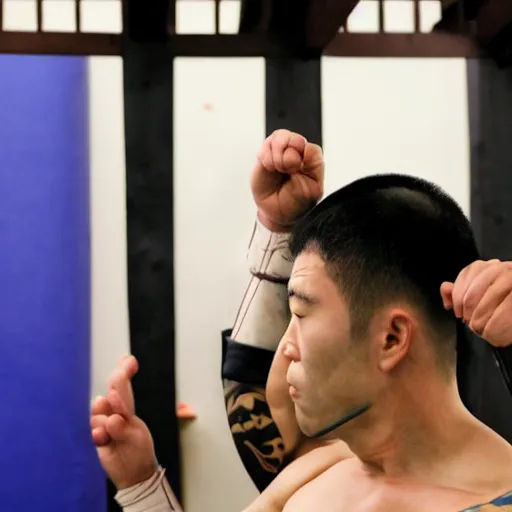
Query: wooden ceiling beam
x=488, y=21
x=494, y=30
x=325, y=17
x=147, y=21
x=309, y=24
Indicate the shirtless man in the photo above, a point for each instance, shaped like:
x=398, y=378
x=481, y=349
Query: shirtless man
x=362, y=387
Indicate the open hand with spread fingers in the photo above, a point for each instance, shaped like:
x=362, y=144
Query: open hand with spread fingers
x=482, y=297
x=123, y=441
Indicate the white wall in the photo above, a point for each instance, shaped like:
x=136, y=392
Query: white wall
x=381, y=115
x=109, y=308
x=407, y=116
x=218, y=126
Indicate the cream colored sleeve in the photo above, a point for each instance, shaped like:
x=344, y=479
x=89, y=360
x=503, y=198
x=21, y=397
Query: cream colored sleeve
x=264, y=315
x=153, y=495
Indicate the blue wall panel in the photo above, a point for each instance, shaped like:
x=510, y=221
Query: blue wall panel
x=49, y=462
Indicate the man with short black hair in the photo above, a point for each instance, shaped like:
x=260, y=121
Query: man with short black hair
x=363, y=387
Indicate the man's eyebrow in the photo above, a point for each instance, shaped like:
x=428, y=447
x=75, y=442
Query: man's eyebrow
x=303, y=297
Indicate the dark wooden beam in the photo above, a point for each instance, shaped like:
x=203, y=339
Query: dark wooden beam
x=435, y=45
x=294, y=97
x=78, y=15
x=490, y=109
x=255, y=16
x=324, y=19
x=148, y=93
x=494, y=30
x=489, y=21
x=148, y=98
x=307, y=24
x=148, y=114
x=146, y=21
x=490, y=116
x=285, y=18
x=39, y=15
x=60, y=43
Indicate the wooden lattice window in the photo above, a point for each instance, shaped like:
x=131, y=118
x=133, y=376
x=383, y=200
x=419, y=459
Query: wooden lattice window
x=379, y=28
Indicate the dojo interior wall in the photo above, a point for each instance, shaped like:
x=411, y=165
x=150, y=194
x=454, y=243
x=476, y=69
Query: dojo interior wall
x=379, y=115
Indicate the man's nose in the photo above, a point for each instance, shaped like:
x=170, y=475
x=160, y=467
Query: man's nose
x=291, y=351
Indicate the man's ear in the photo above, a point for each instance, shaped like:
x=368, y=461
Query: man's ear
x=395, y=334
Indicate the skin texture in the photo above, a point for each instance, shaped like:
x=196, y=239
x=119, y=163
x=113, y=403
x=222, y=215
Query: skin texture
x=287, y=180
x=403, y=457
x=482, y=297
x=327, y=371
x=124, y=443
x=398, y=456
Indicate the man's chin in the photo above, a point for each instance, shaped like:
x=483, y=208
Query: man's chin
x=312, y=425
x=308, y=425
x=307, y=430
x=318, y=427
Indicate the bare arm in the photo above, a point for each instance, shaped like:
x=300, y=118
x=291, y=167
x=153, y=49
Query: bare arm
x=255, y=433
x=286, y=181
x=264, y=426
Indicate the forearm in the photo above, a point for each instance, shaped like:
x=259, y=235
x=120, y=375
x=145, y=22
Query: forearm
x=263, y=315
x=261, y=321
x=256, y=436
x=153, y=495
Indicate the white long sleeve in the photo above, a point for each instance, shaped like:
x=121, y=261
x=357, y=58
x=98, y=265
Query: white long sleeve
x=153, y=495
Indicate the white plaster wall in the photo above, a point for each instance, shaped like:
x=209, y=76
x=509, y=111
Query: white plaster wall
x=396, y=115
x=219, y=124
x=384, y=115
x=110, y=336
x=405, y=116
x=408, y=116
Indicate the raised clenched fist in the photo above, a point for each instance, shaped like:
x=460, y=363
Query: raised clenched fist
x=287, y=179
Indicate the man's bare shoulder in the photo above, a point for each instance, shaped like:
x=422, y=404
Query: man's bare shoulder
x=497, y=469
x=486, y=468
x=481, y=486
x=312, y=461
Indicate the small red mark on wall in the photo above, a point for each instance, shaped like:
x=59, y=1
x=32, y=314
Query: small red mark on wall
x=208, y=107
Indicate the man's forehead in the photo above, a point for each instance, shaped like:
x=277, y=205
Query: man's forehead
x=308, y=264
x=310, y=283
x=308, y=278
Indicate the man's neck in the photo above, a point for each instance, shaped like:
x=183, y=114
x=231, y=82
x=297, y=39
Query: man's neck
x=409, y=434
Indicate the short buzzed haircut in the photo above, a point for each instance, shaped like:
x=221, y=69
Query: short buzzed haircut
x=391, y=237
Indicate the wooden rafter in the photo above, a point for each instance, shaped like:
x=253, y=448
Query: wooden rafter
x=278, y=28
x=325, y=17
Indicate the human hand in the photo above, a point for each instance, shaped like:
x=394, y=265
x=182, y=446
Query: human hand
x=287, y=179
x=482, y=297
x=123, y=441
